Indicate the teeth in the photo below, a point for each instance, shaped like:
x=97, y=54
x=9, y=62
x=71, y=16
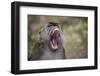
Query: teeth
x=54, y=47
x=53, y=42
x=55, y=29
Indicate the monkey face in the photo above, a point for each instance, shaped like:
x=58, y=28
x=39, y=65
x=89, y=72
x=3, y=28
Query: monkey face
x=52, y=35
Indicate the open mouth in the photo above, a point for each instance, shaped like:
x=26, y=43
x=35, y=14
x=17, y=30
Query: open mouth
x=54, y=38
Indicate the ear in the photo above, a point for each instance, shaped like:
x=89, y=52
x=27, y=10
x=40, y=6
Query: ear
x=63, y=39
x=60, y=28
x=39, y=35
x=39, y=39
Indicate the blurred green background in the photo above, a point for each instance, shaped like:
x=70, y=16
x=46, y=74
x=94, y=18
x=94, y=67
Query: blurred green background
x=75, y=30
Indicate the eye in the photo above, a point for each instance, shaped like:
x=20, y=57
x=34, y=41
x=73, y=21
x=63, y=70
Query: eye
x=49, y=25
x=40, y=32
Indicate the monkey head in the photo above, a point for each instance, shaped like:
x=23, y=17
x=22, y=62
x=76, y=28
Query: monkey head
x=51, y=36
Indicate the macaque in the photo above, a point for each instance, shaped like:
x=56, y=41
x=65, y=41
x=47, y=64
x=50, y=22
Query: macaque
x=50, y=43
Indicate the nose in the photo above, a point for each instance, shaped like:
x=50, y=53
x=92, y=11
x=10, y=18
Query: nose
x=53, y=24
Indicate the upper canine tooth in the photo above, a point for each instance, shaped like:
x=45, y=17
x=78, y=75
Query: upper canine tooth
x=55, y=29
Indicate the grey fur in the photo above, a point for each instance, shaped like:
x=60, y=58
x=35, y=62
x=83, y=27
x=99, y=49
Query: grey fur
x=42, y=50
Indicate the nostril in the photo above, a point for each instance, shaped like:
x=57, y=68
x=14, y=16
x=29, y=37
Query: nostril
x=53, y=23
